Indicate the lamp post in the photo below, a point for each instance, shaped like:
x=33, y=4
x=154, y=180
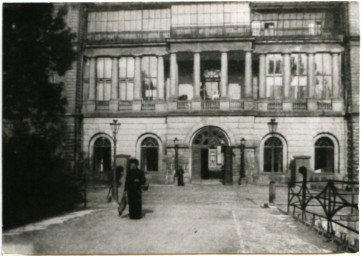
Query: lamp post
x=115, y=127
x=175, y=141
x=242, y=163
x=272, y=125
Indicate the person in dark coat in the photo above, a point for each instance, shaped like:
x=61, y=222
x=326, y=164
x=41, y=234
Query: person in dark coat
x=135, y=179
x=180, y=176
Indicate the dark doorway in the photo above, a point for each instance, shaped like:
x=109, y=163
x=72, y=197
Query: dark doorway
x=204, y=163
x=207, y=159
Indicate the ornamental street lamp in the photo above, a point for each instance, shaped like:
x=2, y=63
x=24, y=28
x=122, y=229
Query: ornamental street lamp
x=115, y=127
x=242, y=163
x=272, y=125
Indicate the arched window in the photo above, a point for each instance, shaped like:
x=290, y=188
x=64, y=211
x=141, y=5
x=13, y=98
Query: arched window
x=273, y=155
x=324, y=155
x=102, y=155
x=149, y=155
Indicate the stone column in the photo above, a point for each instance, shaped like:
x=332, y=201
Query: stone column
x=197, y=63
x=160, y=78
x=311, y=75
x=137, y=78
x=113, y=106
x=92, y=79
x=262, y=72
x=173, y=78
x=336, y=75
x=286, y=77
x=248, y=75
x=224, y=74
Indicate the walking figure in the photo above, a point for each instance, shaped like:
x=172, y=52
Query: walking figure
x=134, y=181
x=180, y=176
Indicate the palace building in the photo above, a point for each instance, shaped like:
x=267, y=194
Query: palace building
x=213, y=75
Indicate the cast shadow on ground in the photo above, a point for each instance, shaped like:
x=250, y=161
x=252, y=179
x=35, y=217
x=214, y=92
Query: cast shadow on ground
x=144, y=212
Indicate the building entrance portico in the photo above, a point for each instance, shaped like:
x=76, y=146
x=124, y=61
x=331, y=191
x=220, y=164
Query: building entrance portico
x=207, y=156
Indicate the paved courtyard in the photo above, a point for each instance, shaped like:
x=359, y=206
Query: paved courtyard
x=190, y=219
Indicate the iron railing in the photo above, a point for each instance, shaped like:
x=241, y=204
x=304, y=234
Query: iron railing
x=125, y=106
x=128, y=36
x=184, y=105
x=210, y=105
x=148, y=106
x=211, y=31
x=275, y=106
x=324, y=105
x=329, y=205
x=297, y=31
x=102, y=105
x=300, y=106
x=236, y=105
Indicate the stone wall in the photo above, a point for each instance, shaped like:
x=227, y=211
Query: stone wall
x=300, y=134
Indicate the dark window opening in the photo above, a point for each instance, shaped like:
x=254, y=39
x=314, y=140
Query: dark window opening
x=324, y=155
x=149, y=155
x=273, y=155
x=102, y=155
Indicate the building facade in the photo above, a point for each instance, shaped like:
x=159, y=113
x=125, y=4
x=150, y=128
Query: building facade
x=210, y=74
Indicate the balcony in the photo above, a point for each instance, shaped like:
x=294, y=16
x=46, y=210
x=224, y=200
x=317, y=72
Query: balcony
x=303, y=32
x=306, y=106
x=211, y=31
x=128, y=37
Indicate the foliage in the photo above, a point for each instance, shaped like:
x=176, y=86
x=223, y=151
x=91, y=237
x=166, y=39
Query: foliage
x=36, y=44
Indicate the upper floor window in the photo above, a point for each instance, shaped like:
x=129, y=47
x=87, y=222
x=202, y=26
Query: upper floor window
x=274, y=79
x=126, y=78
x=149, y=77
x=213, y=14
x=158, y=19
x=298, y=66
x=104, y=78
x=288, y=23
x=323, y=75
x=129, y=20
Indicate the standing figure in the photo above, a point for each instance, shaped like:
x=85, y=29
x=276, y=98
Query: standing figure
x=180, y=176
x=135, y=179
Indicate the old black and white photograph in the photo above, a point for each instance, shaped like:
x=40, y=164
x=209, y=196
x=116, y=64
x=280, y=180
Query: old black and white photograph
x=194, y=127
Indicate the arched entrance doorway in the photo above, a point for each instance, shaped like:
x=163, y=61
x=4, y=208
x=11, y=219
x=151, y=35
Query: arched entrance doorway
x=207, y=157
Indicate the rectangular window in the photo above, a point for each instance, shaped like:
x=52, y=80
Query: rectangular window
x=298, y=66
x=210, y=14
x=129, y=20
x=126, y=78
x=149, y=77
x=104, y=79
x=274, y=79
x=323, y=75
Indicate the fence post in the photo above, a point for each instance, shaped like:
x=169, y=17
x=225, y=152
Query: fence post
x=272, y=192
x=289, y=186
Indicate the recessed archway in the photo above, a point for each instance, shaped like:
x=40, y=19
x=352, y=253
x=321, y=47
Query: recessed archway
x=206, y=155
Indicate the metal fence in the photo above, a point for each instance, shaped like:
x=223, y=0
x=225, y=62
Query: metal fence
x=329, y=205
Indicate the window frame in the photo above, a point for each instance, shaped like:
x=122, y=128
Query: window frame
x=273, y=76
x=284, y=169
x=128, y=81
x=299, y=76
x=103, y=80
x=325, y=95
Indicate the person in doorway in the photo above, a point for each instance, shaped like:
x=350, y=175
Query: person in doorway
x=180, y=176
x=135, y=179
